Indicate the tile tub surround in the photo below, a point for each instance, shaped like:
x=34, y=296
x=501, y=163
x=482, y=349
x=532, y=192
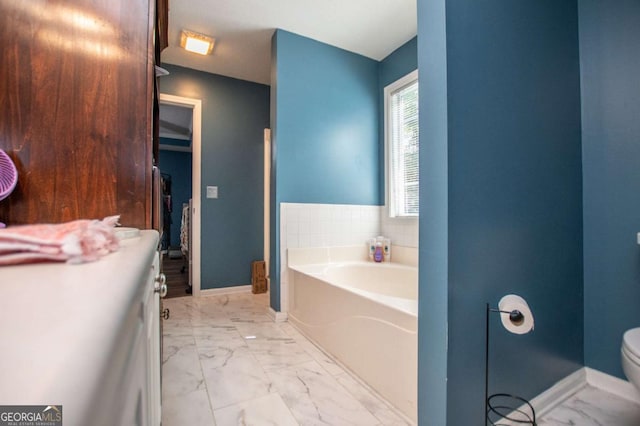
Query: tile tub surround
x=341, y=225
x=304, y=225
x=402, y=230
x=322, y=255
x=322, y=225
x=227, y=363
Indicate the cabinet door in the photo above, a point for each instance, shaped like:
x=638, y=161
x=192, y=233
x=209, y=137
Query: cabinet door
x=76, y=81
x=142, y=399
x=134, y=409
x=152, y=327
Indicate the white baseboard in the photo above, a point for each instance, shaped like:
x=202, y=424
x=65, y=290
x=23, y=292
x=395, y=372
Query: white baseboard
x=225, y=290
x=277, y=316
x=612, y=384
x=553, y=396
x=559, y=392
x=574, y=382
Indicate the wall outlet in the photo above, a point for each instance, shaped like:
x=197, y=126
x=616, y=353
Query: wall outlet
x=212, y=192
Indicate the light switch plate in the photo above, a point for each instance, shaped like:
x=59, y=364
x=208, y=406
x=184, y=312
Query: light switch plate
x=212, y=192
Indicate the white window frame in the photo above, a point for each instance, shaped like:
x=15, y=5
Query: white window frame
x=388, y=90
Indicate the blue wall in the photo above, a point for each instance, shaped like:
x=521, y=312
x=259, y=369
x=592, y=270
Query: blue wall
x=610, y=66
x=433, y=272
x=234, y=115
x=514, y=205
x=502, y=183
x=327, y=120
x=178, y=165
x=325, y=123
x=399, y=63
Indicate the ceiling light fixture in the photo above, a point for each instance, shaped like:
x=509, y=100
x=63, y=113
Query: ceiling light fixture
x=196, y=43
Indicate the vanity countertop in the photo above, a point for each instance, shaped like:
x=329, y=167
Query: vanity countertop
x=61, y=326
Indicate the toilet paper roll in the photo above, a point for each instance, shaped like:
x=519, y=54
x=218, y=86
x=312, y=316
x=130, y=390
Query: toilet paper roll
x=512, y=302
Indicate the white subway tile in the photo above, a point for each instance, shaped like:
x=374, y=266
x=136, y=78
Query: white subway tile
x=337, y=225
x=292, y=240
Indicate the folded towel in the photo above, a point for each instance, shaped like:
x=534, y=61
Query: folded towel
x=78, y=241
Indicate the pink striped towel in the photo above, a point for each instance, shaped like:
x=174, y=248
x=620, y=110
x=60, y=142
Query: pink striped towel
x=78, y=241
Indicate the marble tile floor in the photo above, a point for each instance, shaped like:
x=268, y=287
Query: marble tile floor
x=225, y=362
x=591, y=406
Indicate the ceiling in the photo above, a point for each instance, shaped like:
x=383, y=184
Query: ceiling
x=243, y=30
x=176, y=122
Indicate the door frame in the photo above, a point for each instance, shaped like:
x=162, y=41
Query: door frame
x=196, y=179
x=267, y=205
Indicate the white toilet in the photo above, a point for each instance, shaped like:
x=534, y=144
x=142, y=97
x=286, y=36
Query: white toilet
x=631, y=356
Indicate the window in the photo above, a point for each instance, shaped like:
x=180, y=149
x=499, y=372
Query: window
x=402, y=146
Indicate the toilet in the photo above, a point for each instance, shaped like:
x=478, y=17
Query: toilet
x=630, y=354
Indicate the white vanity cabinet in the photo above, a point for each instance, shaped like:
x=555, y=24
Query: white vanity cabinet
x=86, y=337
x=140, y=399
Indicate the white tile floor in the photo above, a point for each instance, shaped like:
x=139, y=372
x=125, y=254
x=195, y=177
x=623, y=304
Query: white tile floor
x=593, y=407
x=227, y=363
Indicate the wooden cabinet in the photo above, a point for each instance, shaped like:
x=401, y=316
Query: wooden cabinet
x=76, y=96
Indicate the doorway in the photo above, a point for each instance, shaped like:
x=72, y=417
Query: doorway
x=180, y=142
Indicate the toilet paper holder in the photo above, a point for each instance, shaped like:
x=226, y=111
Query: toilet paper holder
x=515, y=316
x=514, y=409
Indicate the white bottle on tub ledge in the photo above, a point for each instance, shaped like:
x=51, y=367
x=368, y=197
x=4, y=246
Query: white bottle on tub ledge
x=386, y=248
x=372, y=248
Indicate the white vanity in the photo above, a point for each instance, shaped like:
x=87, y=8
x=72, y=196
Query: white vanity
x=86, y=337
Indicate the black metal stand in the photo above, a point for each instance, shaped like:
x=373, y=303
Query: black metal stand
x=502, y=406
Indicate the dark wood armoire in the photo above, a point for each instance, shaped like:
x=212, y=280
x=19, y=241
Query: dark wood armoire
x=76, y=108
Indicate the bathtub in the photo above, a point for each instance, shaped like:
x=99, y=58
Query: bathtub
x=365, y=315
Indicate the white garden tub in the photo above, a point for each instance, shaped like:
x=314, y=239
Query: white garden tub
x=365, y=315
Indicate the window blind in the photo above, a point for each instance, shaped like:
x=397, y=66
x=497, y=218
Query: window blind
x=404, y=147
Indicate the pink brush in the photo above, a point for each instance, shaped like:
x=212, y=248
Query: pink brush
x=8, y=177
